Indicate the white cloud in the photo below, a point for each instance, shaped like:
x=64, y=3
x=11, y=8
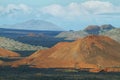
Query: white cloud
x=70, y=11
x=55, y=10
x=98, y=7
x=25, y=8
x=1, y=8
x=74, y=10
x=13, y=9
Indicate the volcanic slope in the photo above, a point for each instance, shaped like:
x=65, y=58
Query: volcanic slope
x=114, y=34
x=89, y=52
x=11, y=44
x=72, y=35
x=7, y=53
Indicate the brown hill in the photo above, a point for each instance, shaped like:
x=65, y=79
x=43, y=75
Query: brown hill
x=7, y=53
x=95, y=29
x=107, y=27
x=89, y=52
x=92, y=29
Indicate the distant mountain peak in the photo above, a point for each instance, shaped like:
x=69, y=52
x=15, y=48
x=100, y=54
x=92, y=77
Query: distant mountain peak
x=35, y=24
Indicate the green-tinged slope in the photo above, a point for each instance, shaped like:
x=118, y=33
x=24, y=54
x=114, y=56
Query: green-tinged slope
x=11, y=44
x=72, y=35
x=114, y=34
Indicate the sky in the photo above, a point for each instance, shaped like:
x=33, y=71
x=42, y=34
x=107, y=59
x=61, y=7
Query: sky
x=67, y=14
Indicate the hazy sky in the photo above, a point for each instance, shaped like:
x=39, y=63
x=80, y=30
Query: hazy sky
x=67, y=14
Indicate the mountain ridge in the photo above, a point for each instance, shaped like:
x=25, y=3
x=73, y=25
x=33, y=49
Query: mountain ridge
x=90, y=29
